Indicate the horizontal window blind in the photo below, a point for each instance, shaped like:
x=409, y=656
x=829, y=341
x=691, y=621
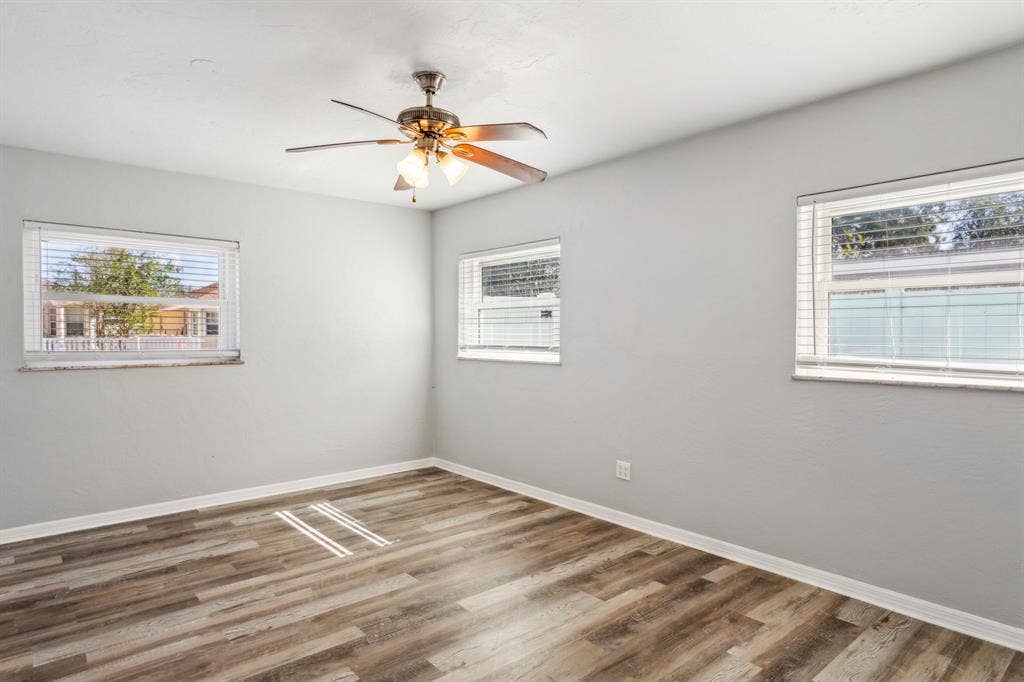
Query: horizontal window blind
x=510, y=303
x=95, y=296
x=921, y=284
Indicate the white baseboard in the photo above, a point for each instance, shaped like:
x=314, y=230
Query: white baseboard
x=944, y=616
x=148, y=511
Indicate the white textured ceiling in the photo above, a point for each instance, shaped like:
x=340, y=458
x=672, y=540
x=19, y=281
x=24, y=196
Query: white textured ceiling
x=221, y=88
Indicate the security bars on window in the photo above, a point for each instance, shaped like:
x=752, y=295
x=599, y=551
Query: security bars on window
x=95, y=297
x=509, y=303
x=919, y=284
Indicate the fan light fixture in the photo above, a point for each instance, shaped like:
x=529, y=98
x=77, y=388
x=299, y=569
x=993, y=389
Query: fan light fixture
x=413, y=166
x=452, y=168
x=438, y=132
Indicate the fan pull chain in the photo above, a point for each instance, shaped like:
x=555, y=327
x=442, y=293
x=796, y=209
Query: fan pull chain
x=414, y=194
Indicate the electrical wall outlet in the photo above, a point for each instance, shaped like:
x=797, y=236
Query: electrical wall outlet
x=622, y=469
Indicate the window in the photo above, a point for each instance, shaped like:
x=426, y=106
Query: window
x=509, y=303
x=210, y=319
x=915, y=285
x=74, y=322
x=98, y=297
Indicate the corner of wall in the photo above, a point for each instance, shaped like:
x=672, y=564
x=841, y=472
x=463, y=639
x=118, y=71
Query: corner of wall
x=432, y=416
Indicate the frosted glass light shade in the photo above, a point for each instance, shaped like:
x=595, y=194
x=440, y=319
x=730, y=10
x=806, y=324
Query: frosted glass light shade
x=452, y=168
x=413, y=166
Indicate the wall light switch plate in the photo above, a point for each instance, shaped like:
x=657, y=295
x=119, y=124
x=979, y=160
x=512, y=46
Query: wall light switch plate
x=622, y=469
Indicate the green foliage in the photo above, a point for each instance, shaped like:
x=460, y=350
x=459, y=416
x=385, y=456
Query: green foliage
x=980, y=222
x=523, y=278
x=120, y=272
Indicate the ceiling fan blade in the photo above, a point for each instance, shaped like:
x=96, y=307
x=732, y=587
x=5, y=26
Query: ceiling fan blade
x=313, y=148
x=495, y=131
x=502, y=164
x=414, y=131
x=401, y=185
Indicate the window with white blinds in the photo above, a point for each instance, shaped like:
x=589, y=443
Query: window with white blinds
x=99, y=297
x=510, y=303
x=915, y=283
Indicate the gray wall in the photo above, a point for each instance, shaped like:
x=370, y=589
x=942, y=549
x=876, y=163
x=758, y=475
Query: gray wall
x=678, y=271
x=336, y=319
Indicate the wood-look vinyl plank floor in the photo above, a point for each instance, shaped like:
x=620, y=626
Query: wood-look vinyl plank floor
x=477, y=583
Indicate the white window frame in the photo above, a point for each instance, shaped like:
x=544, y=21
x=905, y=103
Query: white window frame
x=37, y=358
x=471, y=298
x=815, y=283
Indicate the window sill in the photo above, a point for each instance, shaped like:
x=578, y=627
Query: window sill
x=902, y=380
x=62, y=365
x=529, y=358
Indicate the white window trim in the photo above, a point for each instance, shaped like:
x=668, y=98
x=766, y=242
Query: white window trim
x=495, y=355
x=815, y=269
x=37, y=359
x=536, y=249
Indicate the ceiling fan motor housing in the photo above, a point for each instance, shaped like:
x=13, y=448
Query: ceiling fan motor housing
x=428, y=119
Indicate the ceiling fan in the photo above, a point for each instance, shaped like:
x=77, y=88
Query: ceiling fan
x=437, y=132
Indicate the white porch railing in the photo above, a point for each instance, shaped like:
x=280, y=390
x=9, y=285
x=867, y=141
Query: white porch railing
x=130, y=343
